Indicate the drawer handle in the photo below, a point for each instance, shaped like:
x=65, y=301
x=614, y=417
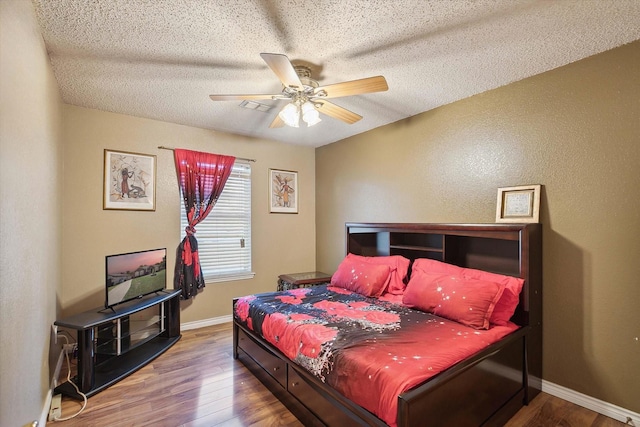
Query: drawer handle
x=295, y=384
x=276, y=368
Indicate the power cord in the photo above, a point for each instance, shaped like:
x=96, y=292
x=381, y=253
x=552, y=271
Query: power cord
x=84, y=397
x=66, y=334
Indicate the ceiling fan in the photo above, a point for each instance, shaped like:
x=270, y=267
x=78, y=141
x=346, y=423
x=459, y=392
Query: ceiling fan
x=307, y=97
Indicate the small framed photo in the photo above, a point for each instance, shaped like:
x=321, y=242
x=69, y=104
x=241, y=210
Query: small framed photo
x=129, y=181
x=518, y=204
x=283, y=191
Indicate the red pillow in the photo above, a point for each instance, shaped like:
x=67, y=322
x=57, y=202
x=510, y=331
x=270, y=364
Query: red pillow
x=433, y=266
x=507, y=304
x=366, y=279
x=398, y=265
x=510, y=299
x=467, y=301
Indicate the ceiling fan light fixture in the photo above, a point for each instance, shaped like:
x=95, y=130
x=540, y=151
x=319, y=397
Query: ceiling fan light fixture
x=290, y=115
x=307, y=99
x=310, y=115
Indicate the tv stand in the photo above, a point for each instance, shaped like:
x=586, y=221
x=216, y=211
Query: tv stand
x=113, y=344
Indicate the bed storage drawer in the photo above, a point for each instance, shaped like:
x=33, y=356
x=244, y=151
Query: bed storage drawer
x=315, y=402
x=276, y=367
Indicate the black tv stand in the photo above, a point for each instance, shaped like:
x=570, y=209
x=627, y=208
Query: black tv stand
x=110, y=346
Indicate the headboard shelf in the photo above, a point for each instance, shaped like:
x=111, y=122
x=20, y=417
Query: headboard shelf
x=417, y=245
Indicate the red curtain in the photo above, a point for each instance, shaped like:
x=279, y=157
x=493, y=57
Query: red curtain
x=201, y=177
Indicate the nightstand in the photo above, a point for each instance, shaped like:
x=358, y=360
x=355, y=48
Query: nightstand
x=302, y=280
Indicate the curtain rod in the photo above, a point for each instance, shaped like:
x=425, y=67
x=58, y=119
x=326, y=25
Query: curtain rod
x=162, y=147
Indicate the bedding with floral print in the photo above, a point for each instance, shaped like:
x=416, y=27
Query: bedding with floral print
x=304, y=323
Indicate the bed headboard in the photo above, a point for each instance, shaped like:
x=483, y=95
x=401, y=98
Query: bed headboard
x=510, y=249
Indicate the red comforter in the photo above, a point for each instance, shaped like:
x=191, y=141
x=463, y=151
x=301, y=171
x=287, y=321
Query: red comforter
x=368, y=349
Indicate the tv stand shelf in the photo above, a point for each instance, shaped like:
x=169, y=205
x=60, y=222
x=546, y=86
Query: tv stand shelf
x=104, y=359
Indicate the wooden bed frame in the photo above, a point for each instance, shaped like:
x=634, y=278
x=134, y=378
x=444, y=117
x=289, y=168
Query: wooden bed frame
x=487, y=388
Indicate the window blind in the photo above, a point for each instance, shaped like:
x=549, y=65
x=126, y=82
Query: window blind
x=224, y=237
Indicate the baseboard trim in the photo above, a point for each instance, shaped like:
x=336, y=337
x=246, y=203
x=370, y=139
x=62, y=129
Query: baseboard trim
x=44, y=416
x=206, y=322
x=597, y=405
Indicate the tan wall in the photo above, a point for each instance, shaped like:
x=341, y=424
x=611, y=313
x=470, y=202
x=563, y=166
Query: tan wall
x=281, y=242
x=30, y=176
x=576, y=130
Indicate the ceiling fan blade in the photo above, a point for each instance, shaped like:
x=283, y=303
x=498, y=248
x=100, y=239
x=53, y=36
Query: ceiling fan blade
x=335, y=111
x=277, y=122
x=241, y=97
x=282, y=67
x=353, y=87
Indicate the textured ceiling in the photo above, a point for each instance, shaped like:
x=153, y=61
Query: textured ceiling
x=161, y=59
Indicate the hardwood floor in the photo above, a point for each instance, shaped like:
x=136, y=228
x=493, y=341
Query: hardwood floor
x=547, y=410
x=197, y=383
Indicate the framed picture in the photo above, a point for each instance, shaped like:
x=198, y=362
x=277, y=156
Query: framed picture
x=518, y=204
x=129, y=181
x=283, y=191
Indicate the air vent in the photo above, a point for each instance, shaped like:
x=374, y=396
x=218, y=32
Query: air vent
x=252, y=105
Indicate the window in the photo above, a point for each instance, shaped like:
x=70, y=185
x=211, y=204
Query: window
x=224, y=237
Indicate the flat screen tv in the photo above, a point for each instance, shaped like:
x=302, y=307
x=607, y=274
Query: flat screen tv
x=134, y=275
